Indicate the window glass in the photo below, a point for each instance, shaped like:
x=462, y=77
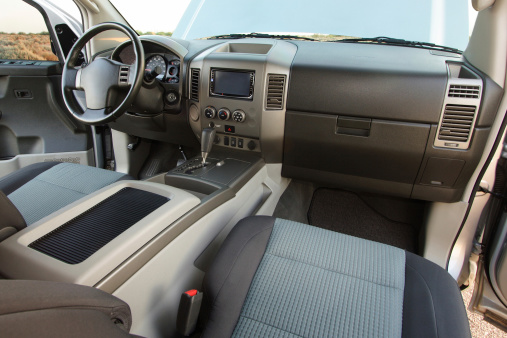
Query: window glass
x=443, y=22
x=23, y=33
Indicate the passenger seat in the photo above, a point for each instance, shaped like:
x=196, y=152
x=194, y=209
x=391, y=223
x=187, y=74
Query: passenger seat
x=279, y=278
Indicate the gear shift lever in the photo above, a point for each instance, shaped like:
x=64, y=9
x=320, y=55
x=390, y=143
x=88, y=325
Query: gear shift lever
x=207, y=138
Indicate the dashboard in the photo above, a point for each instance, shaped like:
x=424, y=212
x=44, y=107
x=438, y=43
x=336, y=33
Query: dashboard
x=407, y=122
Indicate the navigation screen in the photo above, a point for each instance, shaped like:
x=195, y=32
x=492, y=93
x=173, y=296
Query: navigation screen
x=231, y=83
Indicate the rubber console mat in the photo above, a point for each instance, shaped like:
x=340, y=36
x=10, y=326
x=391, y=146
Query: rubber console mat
x=390, y=220
x=82, y=236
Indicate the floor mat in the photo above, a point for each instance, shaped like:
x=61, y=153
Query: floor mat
x=389, y=220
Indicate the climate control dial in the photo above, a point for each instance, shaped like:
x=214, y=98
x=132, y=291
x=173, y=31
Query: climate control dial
x=224, y=114
x=238, y=115
x=210, y=112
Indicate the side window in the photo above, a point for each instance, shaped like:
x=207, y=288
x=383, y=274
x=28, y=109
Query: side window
x=24, y=34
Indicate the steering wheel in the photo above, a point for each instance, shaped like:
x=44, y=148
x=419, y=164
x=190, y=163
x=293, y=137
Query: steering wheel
x=102, y=80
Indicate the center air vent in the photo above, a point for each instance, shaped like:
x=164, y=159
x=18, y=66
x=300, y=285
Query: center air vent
x=194, y=84
x=276, y=91
x=457, y=123
x=471, y=92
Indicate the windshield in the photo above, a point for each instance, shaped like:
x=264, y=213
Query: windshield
x=441, y=22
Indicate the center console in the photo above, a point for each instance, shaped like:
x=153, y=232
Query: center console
x=83, y=242
x=239, y=88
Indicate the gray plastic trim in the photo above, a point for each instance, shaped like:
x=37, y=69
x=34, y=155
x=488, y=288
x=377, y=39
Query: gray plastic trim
x=453, y=79
x=20, y=161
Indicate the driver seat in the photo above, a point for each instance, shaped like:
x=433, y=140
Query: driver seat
x=35, y=191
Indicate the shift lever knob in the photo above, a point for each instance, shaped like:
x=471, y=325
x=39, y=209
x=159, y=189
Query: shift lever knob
x=207, y=138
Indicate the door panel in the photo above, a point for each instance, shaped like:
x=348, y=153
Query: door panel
x=32, y=120
x=34, y=124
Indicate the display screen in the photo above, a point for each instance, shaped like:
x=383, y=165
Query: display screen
x=231, y=83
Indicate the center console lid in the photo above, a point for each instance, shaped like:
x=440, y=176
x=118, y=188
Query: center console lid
x=85, y=241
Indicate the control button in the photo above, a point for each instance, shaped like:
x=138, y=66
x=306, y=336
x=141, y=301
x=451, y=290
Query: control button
x=240, y=143
x=233, y=142
x=194, y=113
x=226, y=140
x=238, y=115
x=210, y=112
x=251, y=145
x=230, y=129
x=224, y=114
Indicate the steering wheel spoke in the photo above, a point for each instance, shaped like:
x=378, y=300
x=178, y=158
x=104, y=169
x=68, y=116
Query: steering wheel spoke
x=94, y=114
x=73, y=79
x=102, y=79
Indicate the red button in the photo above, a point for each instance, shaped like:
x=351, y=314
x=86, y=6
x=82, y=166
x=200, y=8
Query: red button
x=191, y=293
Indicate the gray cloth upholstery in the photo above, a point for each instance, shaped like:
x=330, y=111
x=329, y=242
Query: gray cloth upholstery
x=15, y=180
x=51, y=309
x=11, y=220
x=57, y=187
x=285, y=299
x=316, y=283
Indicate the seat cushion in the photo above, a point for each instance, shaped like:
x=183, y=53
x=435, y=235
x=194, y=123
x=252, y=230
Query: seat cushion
x=274, y=277
x=39, y=190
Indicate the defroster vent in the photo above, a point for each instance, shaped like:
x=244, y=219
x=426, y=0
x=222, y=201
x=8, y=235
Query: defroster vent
x=276, y=91
x=194, y=84
x=469, y=92
x=457, y=123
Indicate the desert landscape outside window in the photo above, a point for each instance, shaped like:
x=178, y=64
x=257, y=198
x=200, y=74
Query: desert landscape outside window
x=24, y=39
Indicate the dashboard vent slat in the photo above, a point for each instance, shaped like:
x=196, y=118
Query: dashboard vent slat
x=457, y=123
x=276, y=91
x=194, y=84
x=464, y=91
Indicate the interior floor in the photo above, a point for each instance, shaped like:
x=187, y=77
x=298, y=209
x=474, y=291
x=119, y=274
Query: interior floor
x=390, y=220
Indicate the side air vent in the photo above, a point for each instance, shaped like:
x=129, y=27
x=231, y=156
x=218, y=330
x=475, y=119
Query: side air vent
x=470, y=92
x=457, y=123
x=276, y=91
x=194, y=84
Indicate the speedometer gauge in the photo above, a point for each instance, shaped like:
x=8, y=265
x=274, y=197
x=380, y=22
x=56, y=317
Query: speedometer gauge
x=154, y=62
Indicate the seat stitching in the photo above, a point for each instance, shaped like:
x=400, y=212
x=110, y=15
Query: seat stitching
x=337, y=272
x=431, y=295
x=263, y=323
x=60, y=186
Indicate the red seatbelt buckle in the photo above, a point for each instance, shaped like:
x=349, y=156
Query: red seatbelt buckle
x=188, y=312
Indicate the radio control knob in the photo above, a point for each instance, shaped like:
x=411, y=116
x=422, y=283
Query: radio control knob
x=224, y=114
x=239, y=115
x=210, y=112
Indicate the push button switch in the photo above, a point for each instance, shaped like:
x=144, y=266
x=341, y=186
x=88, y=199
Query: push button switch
x=233, y=142
x=226, y=140
x=230, y=129
x=240, y=143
